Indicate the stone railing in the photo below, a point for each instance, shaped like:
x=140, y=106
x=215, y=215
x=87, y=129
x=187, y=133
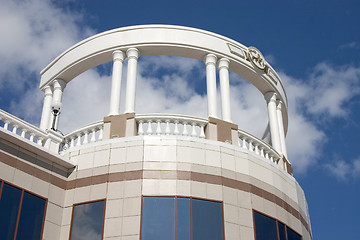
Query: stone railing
x=171, y=124
x=22, y=128
x=258, y=146
x=90, y=133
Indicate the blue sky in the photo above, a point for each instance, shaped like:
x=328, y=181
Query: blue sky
x=313, y=45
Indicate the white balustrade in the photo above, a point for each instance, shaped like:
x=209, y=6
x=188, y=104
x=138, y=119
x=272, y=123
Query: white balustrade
x=171, y=125
x=257, y=146
x=21, y=128
x=82, y=136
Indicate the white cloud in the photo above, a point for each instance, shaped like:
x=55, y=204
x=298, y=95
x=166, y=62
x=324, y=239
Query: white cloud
x=344, y=170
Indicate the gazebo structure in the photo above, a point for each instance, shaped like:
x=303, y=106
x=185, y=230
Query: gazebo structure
x=152, y=176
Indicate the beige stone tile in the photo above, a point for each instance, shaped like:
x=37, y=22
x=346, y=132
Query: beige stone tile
x=102, y=147
x=132, y=188
x=160, y=153
x=40, y=187
x=57, y=195
x=133, y=143
x=66, y=216
x=117, y=168
x=232, y=231
x=87, y=150
x=65, y=232
x=213, y=158
x=133, y=166
x=134, y=154
x=112, y=227
x=119, y=144
x=85, y=161
x=184, y=154
x=69, y=197
x=269, y=208
x=131, y=237
x=54, y=213
x=82, y=194
x=98, y=191
x=245, y=217
x=257, y=203
x=198, y=168
x=183, y=188
x=151, y=187
x=114, y=208
x=51, y=231
x=118, y=155
x=184, y=166
x=6, y=172
x=214, y=192
x=132, y=206
x=246, y=233
x=198, y=189
x=102, y=158
x=115, y=190
x=22, y=179
x=241, y=165
x=84, y=173
x=100, y=170
x=131, y=225
x=231, y=213
x=244, y=199
x=230, y=195
x=74, y=153
x=212, y=147
x=168, y=187
x=213, y=170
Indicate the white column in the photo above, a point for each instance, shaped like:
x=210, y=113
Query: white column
x=58, y=85
x=46, y=111
x=279, y=104
x=225, y=89
x=270, y=98
x=210, y=62
x=118, y=58
x=132, y=54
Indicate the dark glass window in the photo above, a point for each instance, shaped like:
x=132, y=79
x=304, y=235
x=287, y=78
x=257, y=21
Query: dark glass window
x=22, y=214
x=9, y=207
x=267, y=228
x=207, y=220
x=158, y=220
x=165, y=217
x=292, y=235
x=87, y=221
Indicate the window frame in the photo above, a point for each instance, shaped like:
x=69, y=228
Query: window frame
x=176, y=210
x=277, y=226
x=23, y=190
x=81, y=203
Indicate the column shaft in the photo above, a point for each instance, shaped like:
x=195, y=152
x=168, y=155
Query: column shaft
x=58, y=86
x=281, y=127
x=132, y=55
x=270, y=98
x=46, y=111
x=210, y=62
x=118, y=58
x=225, y=89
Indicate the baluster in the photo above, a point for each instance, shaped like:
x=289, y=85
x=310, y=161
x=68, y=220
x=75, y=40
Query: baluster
x=158, y=128
x=244, y=143
x=66, y=144
x=262, y=152
x=251, y=146
x=202, y=132
x=23, y=132
x=6, y=124
x=271, y=158
x=101, y=133
x=141, y=128
x=86, y=137
x=15, y=127
x=193, y=131
x=267, y=155
x=78, y=143
x=167, y=128
x=176, y=127
x=31, y=137
x=149, y=128
x=93, y=135
x=185, y=131
x=39, y=141
x=72, y=142
x=256, y=149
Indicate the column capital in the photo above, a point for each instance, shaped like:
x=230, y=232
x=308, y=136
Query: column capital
x=59, y=84
x=210, y=59
x=223, y=63
x=118, y=55
x=132, y=53
x=47, y=90
x=270, y=97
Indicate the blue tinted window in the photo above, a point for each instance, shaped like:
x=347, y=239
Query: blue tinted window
x=207, y=220
x=183, y=218
x=9, y=206
x=265, y=227
x=87, y=221
x=282, y=233
x=31, y=217
x=292, y=235
x=158, y=218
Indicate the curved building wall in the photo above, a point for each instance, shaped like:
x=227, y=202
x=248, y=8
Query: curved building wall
x=121, y=171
